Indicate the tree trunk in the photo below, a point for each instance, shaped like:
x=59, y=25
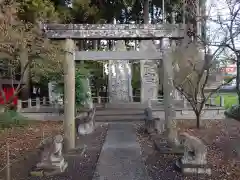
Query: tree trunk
x=198, y=118
x=81, y=48
x=99, y=44
x=25, y=92
x=146, y=12
x=152, y=13
x=95, y=45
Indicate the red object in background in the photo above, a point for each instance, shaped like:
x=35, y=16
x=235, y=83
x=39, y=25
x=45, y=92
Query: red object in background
x=230, y=69
x=9, y=92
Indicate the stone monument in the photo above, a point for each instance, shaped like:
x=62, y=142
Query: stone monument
x=149, y=74
x=120, y=77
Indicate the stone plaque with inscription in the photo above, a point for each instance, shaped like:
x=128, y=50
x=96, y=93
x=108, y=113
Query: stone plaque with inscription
x=149, y=74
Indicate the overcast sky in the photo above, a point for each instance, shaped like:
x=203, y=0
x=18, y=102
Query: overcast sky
x=214, y=9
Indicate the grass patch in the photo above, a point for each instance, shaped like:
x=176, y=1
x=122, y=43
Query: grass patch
x=230, y=99
x=12, y=118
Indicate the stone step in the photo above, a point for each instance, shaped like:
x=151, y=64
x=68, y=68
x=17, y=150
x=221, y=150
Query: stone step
x=122, y=118
x=118, y=112
x=130, y=105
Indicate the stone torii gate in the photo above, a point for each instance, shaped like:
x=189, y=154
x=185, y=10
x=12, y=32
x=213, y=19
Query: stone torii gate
x=71, y=32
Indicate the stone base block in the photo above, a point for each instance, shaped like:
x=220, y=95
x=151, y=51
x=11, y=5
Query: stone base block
x=80, y=150
x=165, y=147
x=151, y=125
x=85, y=123
x=84, y=129
x=149, y=128
x=160, y=126
x=48, y=169
x=193, y=168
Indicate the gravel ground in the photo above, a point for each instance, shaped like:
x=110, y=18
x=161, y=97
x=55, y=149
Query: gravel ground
x=159, y=167
x=222, y=139
x=82, y=166
x=217, y=136
x=23, y=143
x=22, y=140
x=23, y=152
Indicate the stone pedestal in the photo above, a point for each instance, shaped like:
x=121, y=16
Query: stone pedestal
x=160, y=125
x=53, y=166
x=85, y=122
x=86, y=128
x=165, y=146
x=192, y=167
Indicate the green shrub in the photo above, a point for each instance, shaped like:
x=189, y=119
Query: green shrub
x=233, y=112
x=11, y=118
x=82, y=88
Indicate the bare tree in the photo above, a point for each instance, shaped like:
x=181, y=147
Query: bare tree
x=227, y=22
x=195, y=57
x=192, y=69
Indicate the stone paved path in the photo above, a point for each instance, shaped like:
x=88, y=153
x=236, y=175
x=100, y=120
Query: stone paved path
x=120, y=158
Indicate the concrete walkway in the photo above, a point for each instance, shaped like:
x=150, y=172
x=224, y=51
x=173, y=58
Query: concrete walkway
x=120, y=158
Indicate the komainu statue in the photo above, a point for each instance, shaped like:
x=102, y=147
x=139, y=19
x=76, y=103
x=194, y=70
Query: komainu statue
x=52, y=160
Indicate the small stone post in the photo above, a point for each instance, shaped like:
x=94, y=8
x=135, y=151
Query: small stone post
x=110, y=79
x=204, y=107
x=149, y=103
x=177, y=95
x=99, y=99
x=69, y=95
x=44, y=101
x=184, y=103
x=221, y=101
x=56, y=106
x=19, y=105
x=212, y=101
x=185, y=107
x=29, y=103
x=38, y=103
